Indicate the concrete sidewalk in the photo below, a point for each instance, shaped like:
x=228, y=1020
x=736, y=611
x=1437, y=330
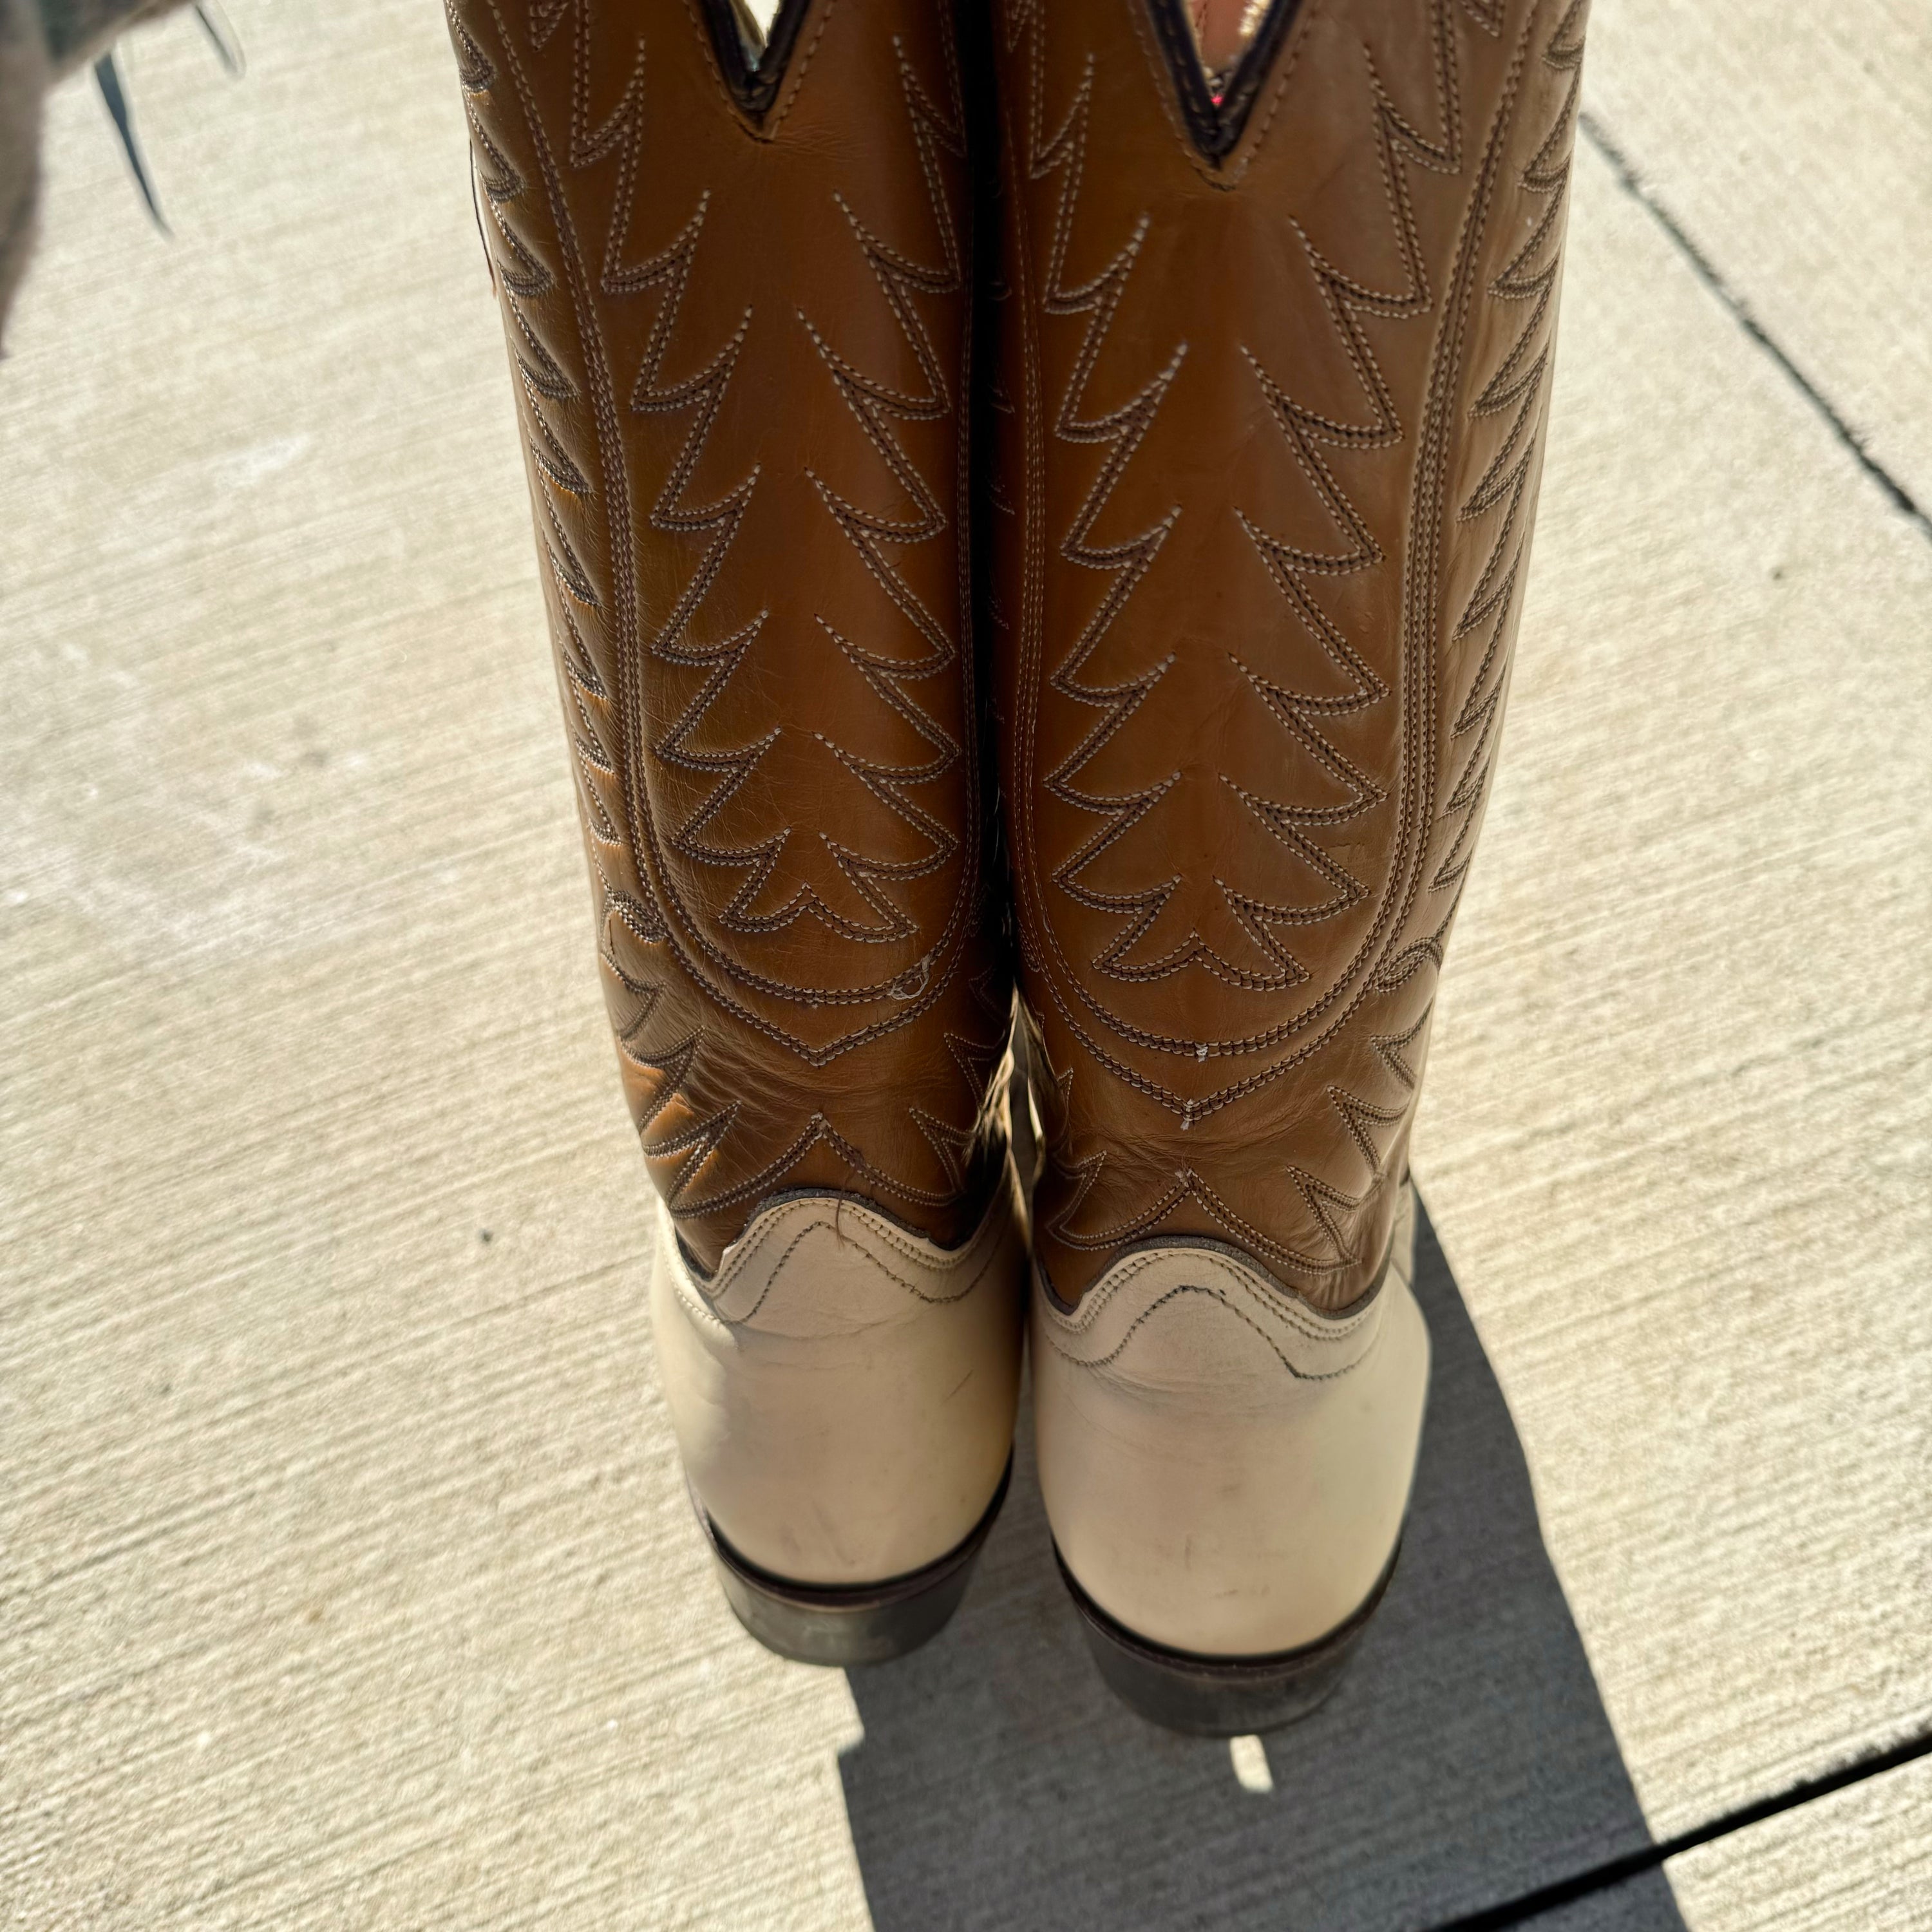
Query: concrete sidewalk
x=346, y=1579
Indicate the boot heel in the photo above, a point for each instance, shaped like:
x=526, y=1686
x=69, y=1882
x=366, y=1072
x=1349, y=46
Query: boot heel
x=1220, y=1697
x=841, y=1625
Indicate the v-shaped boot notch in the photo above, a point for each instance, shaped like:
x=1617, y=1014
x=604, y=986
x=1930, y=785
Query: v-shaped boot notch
x=1219, y=53
x=753, y=41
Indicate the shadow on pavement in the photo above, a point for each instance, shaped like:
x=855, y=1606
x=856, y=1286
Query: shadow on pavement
x=1466, y=1761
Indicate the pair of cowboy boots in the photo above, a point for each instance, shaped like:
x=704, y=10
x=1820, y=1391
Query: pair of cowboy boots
x=1034, y=500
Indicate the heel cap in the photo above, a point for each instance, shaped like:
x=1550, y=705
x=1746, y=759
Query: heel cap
x=1206, y=1697
x=839, y=1626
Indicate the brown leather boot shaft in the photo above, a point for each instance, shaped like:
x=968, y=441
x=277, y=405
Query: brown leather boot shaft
x=738, y=313
x=1275, y=364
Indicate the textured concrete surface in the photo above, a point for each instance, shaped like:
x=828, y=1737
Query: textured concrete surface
x=1793, y=145
x=1861, y=1857
x=345, y=1578
x=347, y=1575
x=1675, y=1138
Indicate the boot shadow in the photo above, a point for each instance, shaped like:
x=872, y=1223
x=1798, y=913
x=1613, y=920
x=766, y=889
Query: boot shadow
x=1466, y=1760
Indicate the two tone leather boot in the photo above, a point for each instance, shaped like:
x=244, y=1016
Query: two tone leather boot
x=736, y=280
x=1278, y=302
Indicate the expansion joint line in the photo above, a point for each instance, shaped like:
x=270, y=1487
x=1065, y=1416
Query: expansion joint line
x=1531, y=1905
x=1633, y=184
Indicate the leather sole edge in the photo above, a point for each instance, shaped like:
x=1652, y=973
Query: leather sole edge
x=842, y=1625
x=1207, y=1696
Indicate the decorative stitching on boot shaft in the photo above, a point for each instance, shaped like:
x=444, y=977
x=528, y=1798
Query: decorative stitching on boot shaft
x=1271, y=463
x=770, y=717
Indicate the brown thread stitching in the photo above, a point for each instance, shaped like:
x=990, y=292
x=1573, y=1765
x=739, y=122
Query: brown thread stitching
x=1431, y=945
x=627, y=281
x=1446, y=157
x=986, y=1262
x=1212, y=1294
x=582, y=676
x=1111, y=1284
